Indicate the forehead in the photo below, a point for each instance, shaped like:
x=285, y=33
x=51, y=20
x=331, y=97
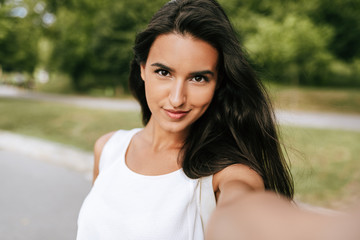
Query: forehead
x=185, y=51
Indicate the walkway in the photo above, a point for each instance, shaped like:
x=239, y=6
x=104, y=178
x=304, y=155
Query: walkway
x=38, y=200
x=88, y=102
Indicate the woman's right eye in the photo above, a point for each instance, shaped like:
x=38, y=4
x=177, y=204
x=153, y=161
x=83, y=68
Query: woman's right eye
x=162, y=72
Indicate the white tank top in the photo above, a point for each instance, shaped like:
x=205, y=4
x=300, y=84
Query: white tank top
x=126, y=205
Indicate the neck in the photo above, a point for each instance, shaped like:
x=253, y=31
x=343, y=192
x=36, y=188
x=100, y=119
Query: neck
x=160, y=139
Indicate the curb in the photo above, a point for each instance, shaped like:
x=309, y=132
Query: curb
x=319, y=120
x=54, y=153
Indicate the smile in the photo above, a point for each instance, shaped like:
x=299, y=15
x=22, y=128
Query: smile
x=173, y=114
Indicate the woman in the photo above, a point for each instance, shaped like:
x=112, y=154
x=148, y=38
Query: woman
x=209, y=133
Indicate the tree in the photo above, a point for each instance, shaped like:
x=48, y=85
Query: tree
x=295, y=42
x=301, y=42
x=19, y=34
x=344, y=17
x=93, y=41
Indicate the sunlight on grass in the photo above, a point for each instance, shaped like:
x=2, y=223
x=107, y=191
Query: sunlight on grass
x=325, y=165
x=62, y=123
x=315, y=99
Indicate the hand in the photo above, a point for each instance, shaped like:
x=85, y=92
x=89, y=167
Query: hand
x=265, y=216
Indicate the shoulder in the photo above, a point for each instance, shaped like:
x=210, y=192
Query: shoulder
x=98, y=148
x=239, y=173
x=118, y=136
x=101, y=141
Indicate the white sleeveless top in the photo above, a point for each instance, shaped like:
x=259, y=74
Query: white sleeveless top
x=126, y=205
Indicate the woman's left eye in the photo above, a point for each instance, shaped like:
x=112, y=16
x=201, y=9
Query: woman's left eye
x=200, y=79
x=162, y=72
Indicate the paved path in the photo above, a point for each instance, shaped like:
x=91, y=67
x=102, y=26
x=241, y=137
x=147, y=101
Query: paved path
x=89, y=102
x=43, y=185
x=297, y=118
x=53, y=153
x=349, y=122
x=38, y=200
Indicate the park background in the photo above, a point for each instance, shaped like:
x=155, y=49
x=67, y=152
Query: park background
x=306, y=52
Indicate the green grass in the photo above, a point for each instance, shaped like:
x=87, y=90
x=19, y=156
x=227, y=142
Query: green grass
x=325, y=163
x=71, y=125
x=315, y=99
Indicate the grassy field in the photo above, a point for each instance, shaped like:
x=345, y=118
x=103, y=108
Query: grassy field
x=316, y=99
x=325, y=163
x=75, y=126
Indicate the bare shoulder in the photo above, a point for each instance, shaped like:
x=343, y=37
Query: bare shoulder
x=98, y=147
x=239, y=173
x=101, y=141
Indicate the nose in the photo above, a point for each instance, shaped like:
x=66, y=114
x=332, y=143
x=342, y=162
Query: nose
x=177, y=95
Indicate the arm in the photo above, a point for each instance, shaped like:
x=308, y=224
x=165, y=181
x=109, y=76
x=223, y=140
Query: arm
x=98, y=147
x=245, y=211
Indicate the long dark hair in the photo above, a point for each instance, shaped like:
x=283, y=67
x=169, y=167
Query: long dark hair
x=239, y=125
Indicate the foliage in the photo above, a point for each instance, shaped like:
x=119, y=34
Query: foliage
x=19, y=34
x=343, y=16
x=301, y=42
x=100, y=46
x=284, y=48
x=293, y=42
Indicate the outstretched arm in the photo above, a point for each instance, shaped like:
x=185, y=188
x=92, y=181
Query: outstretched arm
x=244, y=212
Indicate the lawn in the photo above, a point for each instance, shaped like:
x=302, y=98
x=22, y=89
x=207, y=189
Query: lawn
x=62, y=123
x=325, y=163
x=315, y=99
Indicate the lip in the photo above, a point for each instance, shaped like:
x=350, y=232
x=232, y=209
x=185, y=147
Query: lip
x=175, y=114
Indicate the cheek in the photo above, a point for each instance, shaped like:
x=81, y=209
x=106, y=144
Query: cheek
x=154, y=92
x=202, y=98
x=149, y=94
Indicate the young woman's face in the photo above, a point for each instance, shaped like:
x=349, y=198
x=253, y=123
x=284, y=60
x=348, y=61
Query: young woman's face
x=180, y=77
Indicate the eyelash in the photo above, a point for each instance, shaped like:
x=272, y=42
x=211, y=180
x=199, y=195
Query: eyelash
x=165, y=73
x=161, y=71
x=205, y=79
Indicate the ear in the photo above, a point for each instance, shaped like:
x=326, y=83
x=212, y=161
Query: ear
x=142, y=71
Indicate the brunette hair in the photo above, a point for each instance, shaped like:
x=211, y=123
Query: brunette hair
x=239, y=125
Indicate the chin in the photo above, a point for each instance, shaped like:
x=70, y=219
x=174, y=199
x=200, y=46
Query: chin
x=175, y=129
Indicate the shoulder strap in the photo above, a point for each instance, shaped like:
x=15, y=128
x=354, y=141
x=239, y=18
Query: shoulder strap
x=207, y=199
x=114, y=147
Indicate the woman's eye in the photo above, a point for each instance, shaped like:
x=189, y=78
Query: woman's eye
x=200, y=79
x=162, y=72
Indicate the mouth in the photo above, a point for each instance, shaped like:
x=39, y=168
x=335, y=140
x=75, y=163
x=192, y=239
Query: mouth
x=175, y=114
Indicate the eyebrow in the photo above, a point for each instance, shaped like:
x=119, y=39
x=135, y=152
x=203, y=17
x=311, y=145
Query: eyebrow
x=205, y=72
x=162, y=66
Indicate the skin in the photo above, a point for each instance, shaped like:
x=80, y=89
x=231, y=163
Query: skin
x=266, y=216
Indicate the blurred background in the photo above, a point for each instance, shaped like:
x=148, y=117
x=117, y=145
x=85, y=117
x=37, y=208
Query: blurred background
x=64, y=67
